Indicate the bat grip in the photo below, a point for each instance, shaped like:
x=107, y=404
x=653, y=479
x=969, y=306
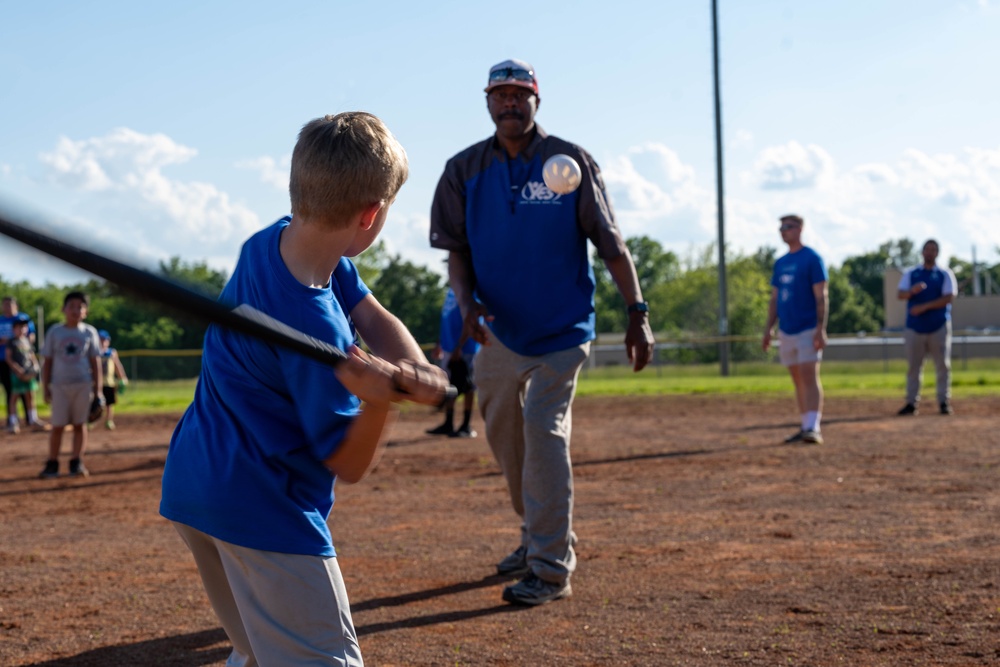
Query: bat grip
x=450, y=393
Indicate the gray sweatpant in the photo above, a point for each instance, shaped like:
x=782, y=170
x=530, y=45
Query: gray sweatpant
x=527, y=403
x=918, y=346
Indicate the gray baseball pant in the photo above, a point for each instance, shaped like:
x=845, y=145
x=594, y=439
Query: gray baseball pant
x=938, y=345
x=278, y=610
x=526, y=402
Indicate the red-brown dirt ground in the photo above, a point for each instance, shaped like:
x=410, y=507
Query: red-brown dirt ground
x=704, y=540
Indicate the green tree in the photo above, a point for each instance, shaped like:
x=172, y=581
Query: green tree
x=989, y=277
x=412, y=293
x=690, y=304
x=197, y=276
x=851, y=309
x=653, y=265
x=371, y=262
x=867, y=271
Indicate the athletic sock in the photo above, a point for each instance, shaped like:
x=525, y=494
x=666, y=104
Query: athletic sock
x=33, y=415
x=810, y=421
x=466, y=416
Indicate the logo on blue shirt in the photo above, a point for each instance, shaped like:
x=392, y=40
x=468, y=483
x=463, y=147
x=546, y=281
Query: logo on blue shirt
x=536, y=192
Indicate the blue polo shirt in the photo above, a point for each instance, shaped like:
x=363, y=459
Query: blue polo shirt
x=528, y=245
x=939, y=281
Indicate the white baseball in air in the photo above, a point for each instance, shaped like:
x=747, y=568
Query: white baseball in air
x=561, y=174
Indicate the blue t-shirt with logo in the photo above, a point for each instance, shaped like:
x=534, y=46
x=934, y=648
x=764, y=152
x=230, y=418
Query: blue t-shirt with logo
x=245, y=463
x=528, y=245
x=794, y=276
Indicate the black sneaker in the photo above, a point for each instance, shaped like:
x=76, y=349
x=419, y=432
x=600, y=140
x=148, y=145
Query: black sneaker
x=464, y=432
x=443, y=429
x=795, y=437
x=946, y=408
x=515, y=564
x=51, y=470
x=532, y=590
x=77, y=469
x=908, y=409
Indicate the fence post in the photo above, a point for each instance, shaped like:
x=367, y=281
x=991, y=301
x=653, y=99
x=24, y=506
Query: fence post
x=885, y=354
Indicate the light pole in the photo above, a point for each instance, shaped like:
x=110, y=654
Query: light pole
x=723, y=296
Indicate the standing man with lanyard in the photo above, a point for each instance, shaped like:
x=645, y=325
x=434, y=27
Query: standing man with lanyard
x=518, y=259
x=800, y=304
x=928, y=290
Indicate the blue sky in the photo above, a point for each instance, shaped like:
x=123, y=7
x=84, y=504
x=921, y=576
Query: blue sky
x=157, y=129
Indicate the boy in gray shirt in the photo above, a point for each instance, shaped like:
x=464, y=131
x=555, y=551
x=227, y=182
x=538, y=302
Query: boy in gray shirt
x=71, y=377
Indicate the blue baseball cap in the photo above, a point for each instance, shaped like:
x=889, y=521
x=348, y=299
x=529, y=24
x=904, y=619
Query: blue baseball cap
x=22, y=318
x=104, y=334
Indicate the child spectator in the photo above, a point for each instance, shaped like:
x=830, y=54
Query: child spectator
x=71, y=377
x=113, y=376
x=24, y=371
x=7, y=319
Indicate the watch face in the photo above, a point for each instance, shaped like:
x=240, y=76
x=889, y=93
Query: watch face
x=642, y=307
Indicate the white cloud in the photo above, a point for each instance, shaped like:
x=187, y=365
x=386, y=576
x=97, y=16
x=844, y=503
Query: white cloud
x=877, y=173
x=651, y=189
x=793, y=166
x=168, y=216
x=406, y=234
x=273, y=172
x=954, y=197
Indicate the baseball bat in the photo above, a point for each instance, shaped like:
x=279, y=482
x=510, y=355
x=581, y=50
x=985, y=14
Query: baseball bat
x=243, y=318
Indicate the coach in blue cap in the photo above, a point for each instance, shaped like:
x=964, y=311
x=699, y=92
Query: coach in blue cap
x=517, y=258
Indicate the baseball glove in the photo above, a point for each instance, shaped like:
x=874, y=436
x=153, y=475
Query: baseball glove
x=96, y=409
x=458, y=374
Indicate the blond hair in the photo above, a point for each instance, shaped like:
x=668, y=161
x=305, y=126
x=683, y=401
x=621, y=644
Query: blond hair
x=342, y=164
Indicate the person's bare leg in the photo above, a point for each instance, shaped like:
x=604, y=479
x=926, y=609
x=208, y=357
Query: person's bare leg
x=79, y=440
x=812, y=387
x=795, y=372
x=55, y=442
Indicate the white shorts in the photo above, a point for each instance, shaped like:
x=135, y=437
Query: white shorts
x=798, y=348
x=71, y=403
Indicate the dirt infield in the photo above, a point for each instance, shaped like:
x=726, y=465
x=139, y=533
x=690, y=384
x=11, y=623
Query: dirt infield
x=703, y=541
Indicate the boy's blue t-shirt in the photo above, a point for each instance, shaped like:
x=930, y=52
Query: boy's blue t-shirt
x=245, y=463
x=794, y=276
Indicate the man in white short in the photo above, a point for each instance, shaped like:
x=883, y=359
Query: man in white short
x=800, y=305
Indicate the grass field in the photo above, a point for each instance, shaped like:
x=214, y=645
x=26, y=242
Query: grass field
x=978, y=377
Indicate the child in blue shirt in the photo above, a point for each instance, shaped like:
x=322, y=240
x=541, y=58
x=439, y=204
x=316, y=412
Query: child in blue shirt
x=250, y=473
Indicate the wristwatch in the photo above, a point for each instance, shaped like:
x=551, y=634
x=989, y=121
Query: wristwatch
x=640, y=307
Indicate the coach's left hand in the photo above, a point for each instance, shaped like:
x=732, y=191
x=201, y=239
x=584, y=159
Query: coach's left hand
x=639, y=340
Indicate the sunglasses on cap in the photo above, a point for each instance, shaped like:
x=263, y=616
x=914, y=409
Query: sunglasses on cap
x=515, y=73
x=786, y=227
